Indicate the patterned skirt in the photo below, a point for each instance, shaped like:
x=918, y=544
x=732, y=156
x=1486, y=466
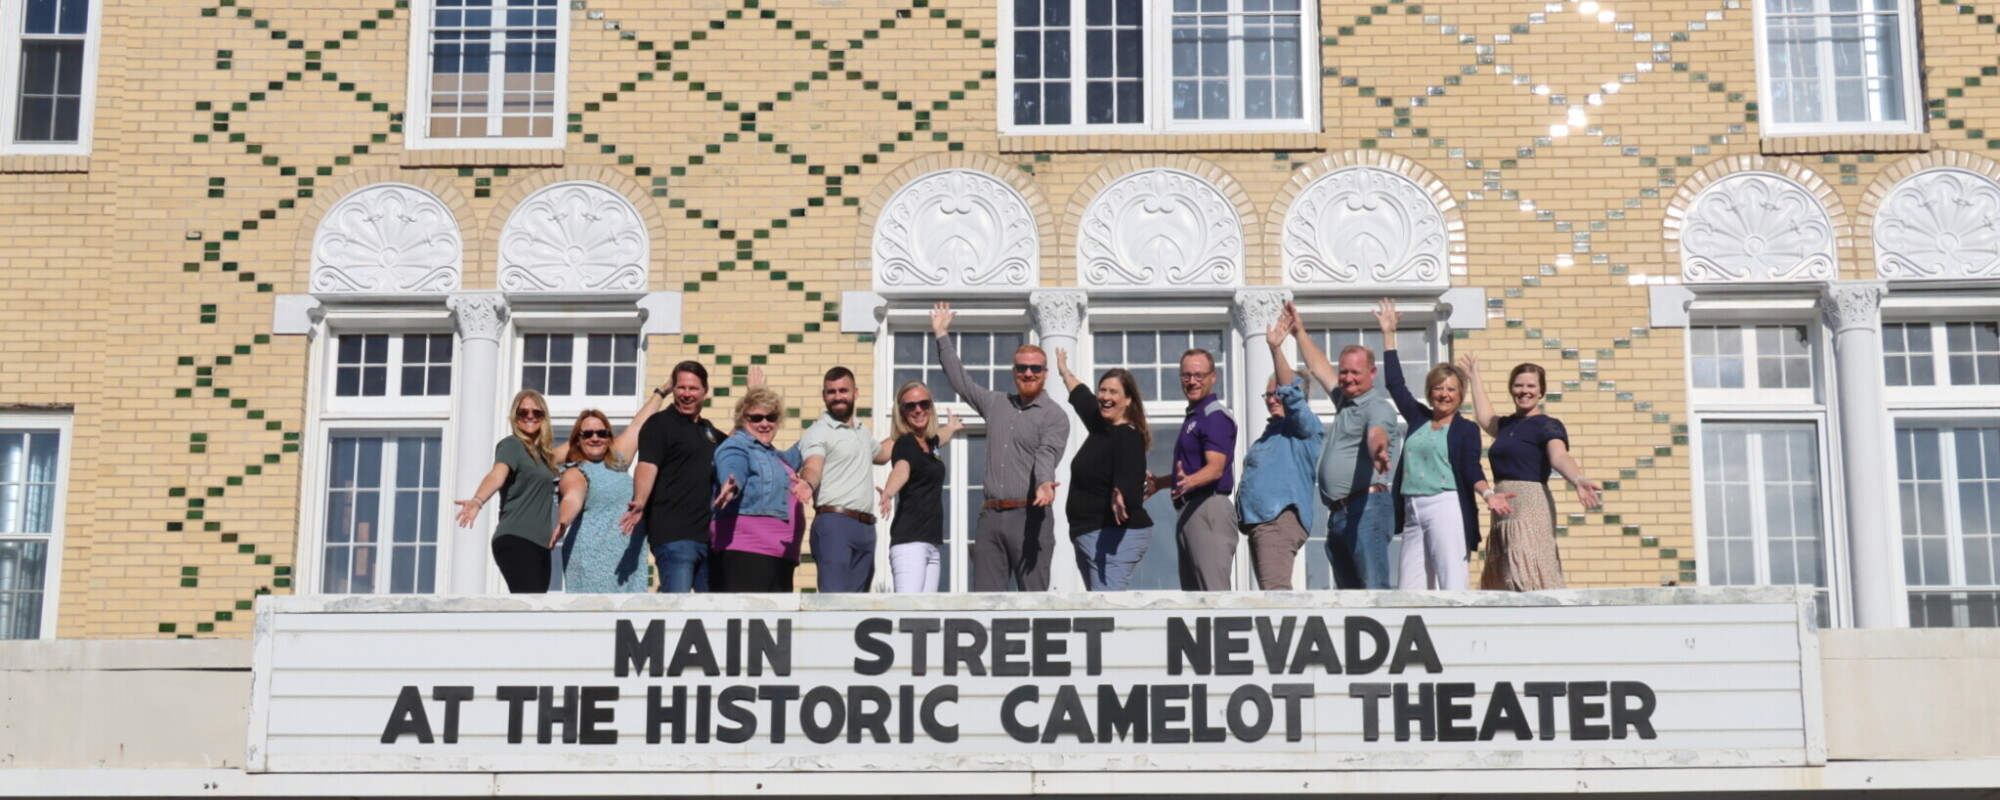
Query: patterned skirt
x=1521, y=549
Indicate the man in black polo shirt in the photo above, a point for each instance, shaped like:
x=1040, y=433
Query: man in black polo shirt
x=671, y=483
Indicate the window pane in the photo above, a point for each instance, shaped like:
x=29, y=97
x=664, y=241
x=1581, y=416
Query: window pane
x=23, y=576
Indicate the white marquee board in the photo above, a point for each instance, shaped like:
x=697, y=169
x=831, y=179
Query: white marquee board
x=1108, y=682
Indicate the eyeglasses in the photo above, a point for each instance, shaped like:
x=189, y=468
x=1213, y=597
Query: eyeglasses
x=755, y=418
x=1269, y=395
x=530, y=413
x=1032, y=369
x=1196, y=376
x=916, y=404
x=599, y=434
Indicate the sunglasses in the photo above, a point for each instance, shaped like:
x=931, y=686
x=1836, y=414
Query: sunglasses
x=593, y=434
x=760, y=418
x=529, y=413
x=916, y=404
x=1032, y=369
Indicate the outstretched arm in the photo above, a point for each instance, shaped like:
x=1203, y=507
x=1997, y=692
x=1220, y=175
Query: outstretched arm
x=468, y=510
x=898, y=476
x=1587, y=490
x=1482, y=409
x=573, y=487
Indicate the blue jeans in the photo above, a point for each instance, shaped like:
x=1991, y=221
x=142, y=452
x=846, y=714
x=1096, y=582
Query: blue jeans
x=1357, y=541
x=683, y=566
x=844, y=549
x=1107, y=557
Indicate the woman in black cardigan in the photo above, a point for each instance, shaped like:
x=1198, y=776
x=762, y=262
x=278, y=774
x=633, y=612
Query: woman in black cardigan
x=1439, y=474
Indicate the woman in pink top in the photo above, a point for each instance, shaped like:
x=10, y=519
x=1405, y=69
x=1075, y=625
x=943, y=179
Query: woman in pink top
x=759, y=502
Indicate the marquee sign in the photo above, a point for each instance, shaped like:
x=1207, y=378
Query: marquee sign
x=1046, y=682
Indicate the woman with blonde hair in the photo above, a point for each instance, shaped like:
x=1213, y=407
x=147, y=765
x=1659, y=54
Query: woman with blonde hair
x=599, y=556
x=759, y=502
x=915, y=488
x=524, y=475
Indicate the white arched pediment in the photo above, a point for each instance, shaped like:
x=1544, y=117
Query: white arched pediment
x=1160, y=228
x=1939, y=223
x=387, y=238
x=1365, y=226
x=1756, y=227
x=956, y=229
x=574, y=236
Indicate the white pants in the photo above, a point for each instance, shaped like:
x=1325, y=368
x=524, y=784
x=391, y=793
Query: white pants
x=915, y=566
x=1434, y=554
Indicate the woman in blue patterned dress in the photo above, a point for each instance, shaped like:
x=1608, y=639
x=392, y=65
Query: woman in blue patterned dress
x=601, y=558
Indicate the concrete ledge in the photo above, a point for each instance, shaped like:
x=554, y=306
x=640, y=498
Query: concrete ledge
x=78, y=655
x=1911, y=693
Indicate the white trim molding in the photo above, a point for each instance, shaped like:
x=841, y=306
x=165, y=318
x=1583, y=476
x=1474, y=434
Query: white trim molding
x=13, y=19
x=574, y=236
x=954, y=230
x=1940, y=223
x=387, y=239
x=1160, y=229
x=1756, y=227
x=1365, y=226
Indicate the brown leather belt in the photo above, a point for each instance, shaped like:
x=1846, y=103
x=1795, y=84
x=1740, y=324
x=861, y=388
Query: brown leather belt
x=866, y=518
x=1344, y=502
x=1005, y=505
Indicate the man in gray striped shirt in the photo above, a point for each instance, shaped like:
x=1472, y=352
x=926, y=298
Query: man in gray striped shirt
x=1026, y=433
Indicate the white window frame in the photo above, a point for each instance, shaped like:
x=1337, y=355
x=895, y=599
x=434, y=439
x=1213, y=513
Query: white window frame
x=564, y=408
x=384, y=541
x=1943, y=393
x=1771, y=405
x=392, y=402
x=12, y=26
x=324, y=419
x=960, y=519
x=416, y=111
x=1158, y=80
x=1910, y=75
x=62, y=424
x=1946, y=422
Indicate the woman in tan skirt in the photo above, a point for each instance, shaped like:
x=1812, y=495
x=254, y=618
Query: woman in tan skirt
x=1527, y=444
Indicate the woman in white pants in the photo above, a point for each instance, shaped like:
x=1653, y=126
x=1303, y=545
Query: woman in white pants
x=915, y=489
x=1439, y=474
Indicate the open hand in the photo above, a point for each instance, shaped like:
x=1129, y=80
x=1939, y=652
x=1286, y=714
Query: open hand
x=468, y=511
x=1469, y=363
x=1118, y=514
x=1498, y=502
x=1380, y=452
x=941, y=315
x=726, y=494
x=883, y=503
x=1589, y=493
x=1152, y=485
x=629, y=521
x=1045, y=494
x=1389, y=319
x=756, y=376
x=802, y=491
x=1180, y=479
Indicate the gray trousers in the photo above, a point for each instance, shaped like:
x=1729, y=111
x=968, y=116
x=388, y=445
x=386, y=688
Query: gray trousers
x=1206, y=538
x=1016, y=544
x=1274, y=548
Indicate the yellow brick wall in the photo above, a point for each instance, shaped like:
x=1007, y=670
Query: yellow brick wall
x=214, y=115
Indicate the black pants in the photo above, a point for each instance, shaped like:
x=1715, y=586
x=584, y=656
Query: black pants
x=740, y=572
x=523, y=563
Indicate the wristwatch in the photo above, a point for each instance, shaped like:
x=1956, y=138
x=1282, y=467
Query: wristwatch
x=663, y=395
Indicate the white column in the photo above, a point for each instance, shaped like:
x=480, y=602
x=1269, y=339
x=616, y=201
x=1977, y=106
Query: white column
x=1853, y=310
x=1254, y=312
x=1058, y=316
x=479, y=317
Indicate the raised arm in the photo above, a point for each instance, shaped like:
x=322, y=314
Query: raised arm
x=627, y=444
x=1482, y=409
x=1062, y=368
x=951, y=428
x=1315, y=360
x=1275, y=338
x=980, y=397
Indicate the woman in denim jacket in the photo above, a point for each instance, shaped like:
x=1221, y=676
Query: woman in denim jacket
x=759, y=502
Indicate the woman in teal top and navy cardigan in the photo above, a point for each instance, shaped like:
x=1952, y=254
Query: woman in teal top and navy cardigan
x=1439, y=475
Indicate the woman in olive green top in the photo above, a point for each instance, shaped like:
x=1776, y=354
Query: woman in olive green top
x=524, y=475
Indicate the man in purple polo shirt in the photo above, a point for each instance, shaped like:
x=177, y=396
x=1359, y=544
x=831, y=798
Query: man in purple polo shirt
x=1204, y=475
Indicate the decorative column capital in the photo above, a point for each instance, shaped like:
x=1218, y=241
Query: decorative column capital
x=1853, y=305
x=478, y=315
x=1058, y=312
x=1256, y=310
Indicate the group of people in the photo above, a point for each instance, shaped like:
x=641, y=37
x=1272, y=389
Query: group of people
x=728, y=513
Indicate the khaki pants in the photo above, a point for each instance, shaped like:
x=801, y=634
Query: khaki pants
x=1207, y=542
x=1274, y=548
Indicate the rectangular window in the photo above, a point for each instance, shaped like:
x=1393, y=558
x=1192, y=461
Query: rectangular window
x=31, y=482
x=492, y=73
x=1762, y=507
x=988, y=359
x=1948, y=478
x=1091, y=66
x=1838, y=66
x=379, y=371
x=607, y=363
x=964, y=493
x=1750, y=357
x=1154, y=358
x=51, y=46
x=1415, y=347
x=383, y=513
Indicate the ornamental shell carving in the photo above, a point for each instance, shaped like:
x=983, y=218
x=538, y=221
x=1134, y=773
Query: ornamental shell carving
x=1160, y=228
x=1365, y=225
x=1939, y=223
x=956, y=228
x=1756, y=227
x=574, y=237
x=387, y=238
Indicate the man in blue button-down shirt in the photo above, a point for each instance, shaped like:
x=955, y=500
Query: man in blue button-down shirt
x=1275, y=498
